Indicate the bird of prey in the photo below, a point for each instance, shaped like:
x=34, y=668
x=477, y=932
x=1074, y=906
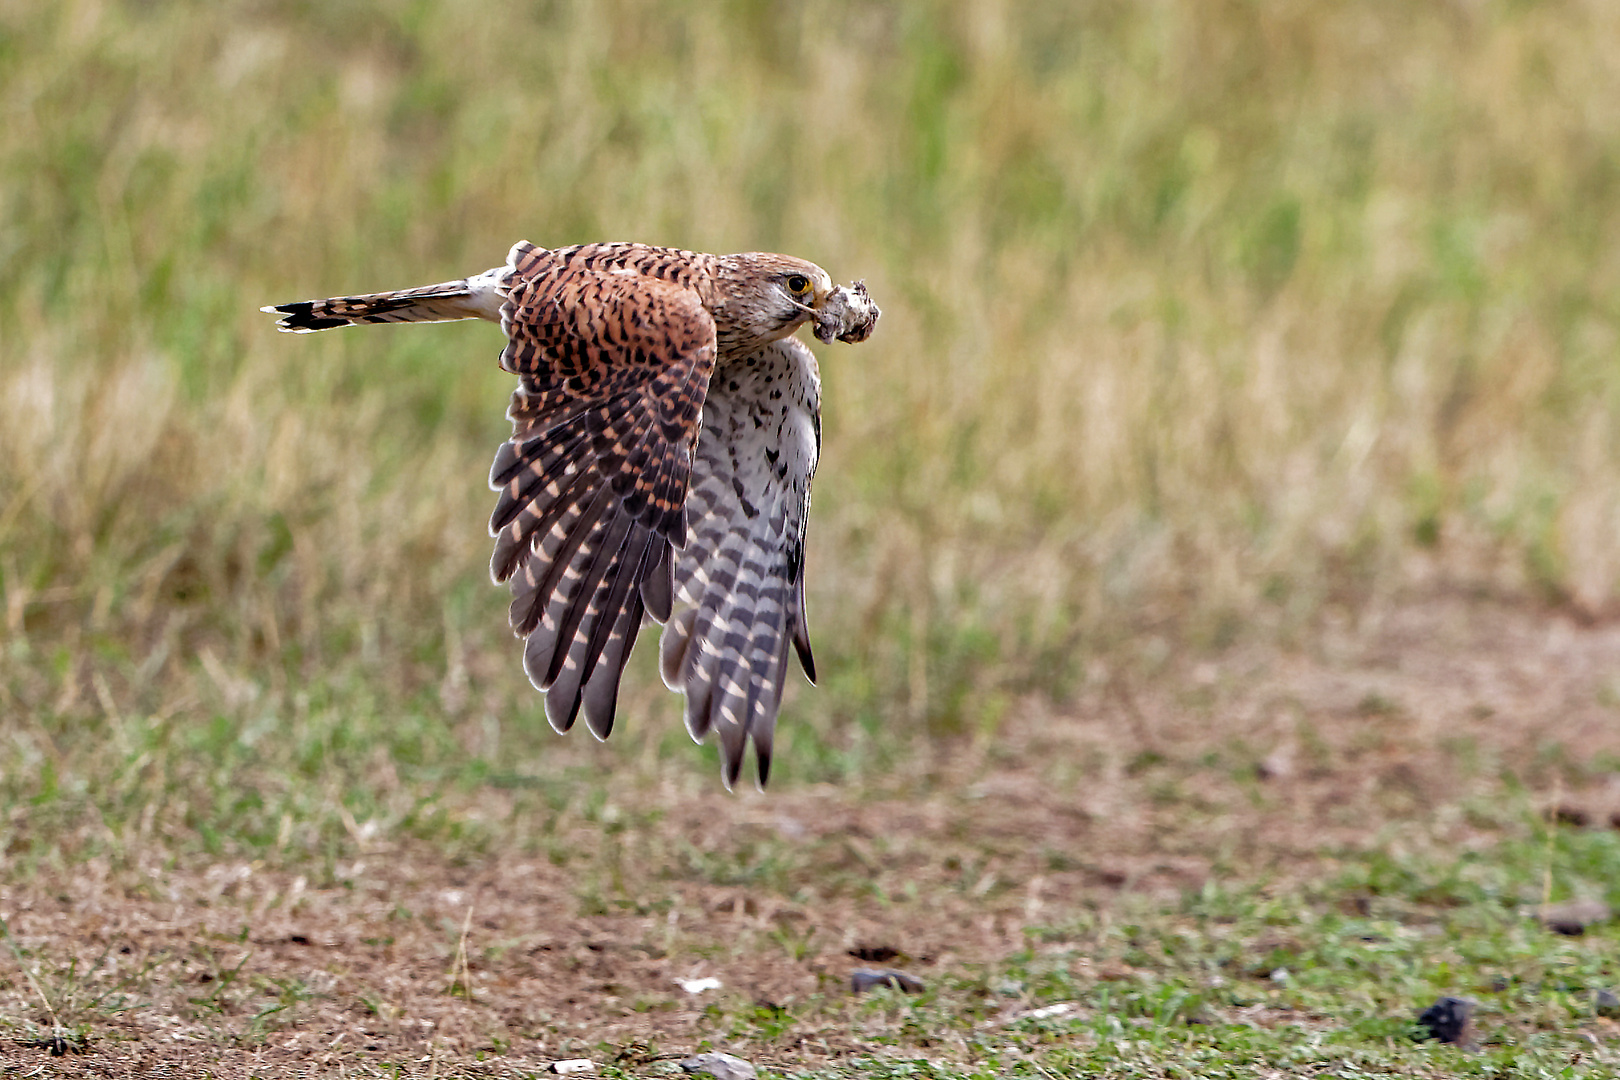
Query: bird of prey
x=665, y=429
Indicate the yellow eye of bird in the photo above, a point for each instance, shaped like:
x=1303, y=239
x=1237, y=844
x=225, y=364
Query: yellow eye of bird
x=798, y=284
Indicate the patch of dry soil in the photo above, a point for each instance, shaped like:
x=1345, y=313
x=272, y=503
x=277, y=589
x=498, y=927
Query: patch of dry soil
x=1398, y=728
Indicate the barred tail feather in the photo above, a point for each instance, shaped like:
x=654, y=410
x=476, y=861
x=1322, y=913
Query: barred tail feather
x=470, y=298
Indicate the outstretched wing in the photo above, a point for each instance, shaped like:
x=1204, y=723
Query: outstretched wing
x=614, y=367
x=739, y=581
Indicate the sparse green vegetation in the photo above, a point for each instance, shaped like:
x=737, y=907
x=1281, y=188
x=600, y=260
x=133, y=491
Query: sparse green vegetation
x=1207, y=326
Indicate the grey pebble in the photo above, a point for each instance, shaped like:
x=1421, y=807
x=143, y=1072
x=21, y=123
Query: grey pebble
x=1573, y=918
x=863, y=979
x=720, y=1066
x=1606, y=1003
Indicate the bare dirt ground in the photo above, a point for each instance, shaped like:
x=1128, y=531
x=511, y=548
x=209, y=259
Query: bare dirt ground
x=1261, y=764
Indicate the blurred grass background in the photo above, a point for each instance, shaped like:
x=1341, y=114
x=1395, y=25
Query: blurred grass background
x=1200, y=320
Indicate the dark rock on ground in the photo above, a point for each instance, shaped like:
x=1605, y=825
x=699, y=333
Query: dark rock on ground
x=1448, y=1020
x=863, y=979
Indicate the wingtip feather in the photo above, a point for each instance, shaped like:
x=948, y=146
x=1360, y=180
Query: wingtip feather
x=807, y=660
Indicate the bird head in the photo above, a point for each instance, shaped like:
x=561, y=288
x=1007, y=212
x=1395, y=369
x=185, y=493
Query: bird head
x=766, y=297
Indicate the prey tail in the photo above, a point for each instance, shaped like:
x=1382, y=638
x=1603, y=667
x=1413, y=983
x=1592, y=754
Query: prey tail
x=477, y=297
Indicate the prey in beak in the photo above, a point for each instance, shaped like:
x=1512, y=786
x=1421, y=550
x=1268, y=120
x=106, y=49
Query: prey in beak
x=846, y=314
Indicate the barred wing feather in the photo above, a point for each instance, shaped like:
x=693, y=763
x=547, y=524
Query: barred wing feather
x=739, y=581
x=593, y=482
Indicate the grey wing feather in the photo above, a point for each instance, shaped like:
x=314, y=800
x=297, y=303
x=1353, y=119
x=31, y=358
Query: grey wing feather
x=739, y=581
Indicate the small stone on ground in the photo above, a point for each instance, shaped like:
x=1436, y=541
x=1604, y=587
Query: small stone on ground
x=1573, y=918
x=720, y=1066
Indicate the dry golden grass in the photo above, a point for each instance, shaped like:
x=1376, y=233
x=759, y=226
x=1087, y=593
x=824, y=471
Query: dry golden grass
x=1202, y=313
x=1200, y=319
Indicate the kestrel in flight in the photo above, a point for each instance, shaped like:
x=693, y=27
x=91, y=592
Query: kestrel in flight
x=665, y=429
